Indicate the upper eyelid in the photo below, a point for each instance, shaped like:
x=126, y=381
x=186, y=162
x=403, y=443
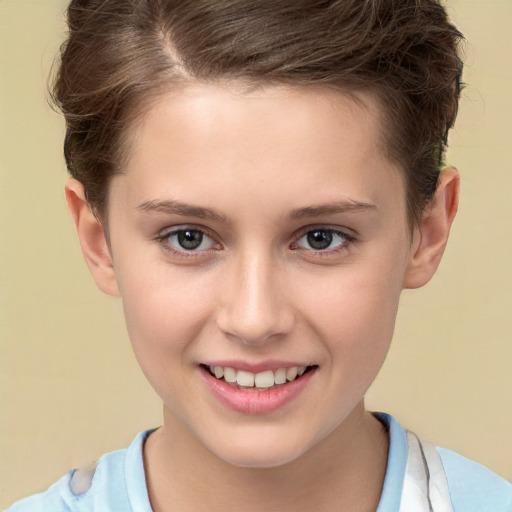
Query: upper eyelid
x=348, y=233
x=166, y=233
x=349, y=239
x=170, y=230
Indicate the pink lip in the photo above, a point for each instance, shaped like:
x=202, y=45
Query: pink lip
x=262, y=366
x=251, y=401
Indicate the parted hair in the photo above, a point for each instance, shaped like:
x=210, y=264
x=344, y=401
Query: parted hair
x=121, y=54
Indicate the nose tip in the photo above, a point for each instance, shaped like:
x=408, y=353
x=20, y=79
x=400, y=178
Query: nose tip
x=255, y=327
x=256, y=308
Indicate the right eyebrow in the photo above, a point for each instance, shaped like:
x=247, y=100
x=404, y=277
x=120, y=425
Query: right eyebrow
x=344, y=206
x=171, y=207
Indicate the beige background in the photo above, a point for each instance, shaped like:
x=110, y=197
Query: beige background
x=70, y=388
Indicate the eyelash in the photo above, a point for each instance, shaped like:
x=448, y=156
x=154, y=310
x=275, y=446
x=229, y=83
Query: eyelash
x=165, y=236
x=328, y=252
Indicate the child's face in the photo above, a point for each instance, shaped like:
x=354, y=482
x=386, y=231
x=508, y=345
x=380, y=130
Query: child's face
x=259, y=231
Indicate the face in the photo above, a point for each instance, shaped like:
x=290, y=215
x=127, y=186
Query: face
x=260, y=242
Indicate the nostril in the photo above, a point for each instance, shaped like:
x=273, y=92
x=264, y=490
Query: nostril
x=254, y=307
x=263, y=329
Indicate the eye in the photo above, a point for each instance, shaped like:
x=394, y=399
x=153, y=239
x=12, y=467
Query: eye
x=322, y=239
x=187, y=240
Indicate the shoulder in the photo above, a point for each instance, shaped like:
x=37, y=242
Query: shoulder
x=80, y=490
x=473, y=487
x=52, y=499
x=468, y=485
x=102, y=486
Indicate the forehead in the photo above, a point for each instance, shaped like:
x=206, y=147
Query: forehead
x=282, y=142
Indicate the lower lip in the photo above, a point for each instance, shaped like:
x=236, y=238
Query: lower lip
x=252, y=401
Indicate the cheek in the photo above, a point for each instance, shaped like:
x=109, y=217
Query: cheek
x=164, y=308
x=354, y=313
x=165, y=313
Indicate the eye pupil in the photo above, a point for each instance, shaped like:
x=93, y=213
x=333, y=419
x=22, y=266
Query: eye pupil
x=319, y=239
x=189, y=239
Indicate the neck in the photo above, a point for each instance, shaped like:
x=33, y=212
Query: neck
x=345, y=471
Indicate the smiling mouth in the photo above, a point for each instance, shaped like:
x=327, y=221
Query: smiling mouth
x=262, y=381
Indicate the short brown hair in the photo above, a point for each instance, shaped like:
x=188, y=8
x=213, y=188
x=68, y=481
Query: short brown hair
x=120, y=53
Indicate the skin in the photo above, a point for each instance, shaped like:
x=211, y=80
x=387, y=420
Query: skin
x=256, y=290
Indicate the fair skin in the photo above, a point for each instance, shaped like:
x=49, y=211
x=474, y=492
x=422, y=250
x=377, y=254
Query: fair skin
x=262, y=230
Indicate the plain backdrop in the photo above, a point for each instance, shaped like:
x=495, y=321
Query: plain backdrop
x=70, y=387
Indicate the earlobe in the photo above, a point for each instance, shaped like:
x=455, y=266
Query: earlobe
x=92, y=239
x=431, y=236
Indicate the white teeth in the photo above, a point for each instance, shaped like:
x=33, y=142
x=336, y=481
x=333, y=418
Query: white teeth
x=291, y=373
x=229, y=374
x=280, y=376
x=262, y=380
x=245, y=378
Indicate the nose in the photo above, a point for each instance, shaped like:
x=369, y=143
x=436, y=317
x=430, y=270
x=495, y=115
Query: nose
x=255, y=305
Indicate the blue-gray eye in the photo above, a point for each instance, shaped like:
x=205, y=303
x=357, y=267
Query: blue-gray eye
x=188, y=240
x=322, y=239
x=319, y=239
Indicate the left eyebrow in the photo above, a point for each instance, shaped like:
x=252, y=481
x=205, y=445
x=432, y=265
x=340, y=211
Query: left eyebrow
x=332, y=208
x=171, y=207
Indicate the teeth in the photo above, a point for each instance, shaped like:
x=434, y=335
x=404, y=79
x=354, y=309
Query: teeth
x=291, y=373
x=262, y=380
x=245, y=378
x=229, y=375
x=280, y=376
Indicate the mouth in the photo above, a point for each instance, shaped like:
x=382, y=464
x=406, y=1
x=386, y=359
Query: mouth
x=266, y=390
x=262, y=381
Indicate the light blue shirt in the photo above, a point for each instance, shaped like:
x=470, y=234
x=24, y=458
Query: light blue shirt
x=119, y=483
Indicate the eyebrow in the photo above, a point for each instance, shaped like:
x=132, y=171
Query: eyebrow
x=171, y=207
x=346, y=206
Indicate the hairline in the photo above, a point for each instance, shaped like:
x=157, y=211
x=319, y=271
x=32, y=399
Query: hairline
x=364, y=95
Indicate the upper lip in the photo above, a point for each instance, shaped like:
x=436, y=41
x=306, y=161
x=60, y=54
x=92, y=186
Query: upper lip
x=255, y=367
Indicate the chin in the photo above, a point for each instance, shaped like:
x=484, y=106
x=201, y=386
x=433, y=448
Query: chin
x=260, y=454
x=259, y=460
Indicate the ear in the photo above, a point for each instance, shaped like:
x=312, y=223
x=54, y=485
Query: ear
x=92, y=239
x=431, y=236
